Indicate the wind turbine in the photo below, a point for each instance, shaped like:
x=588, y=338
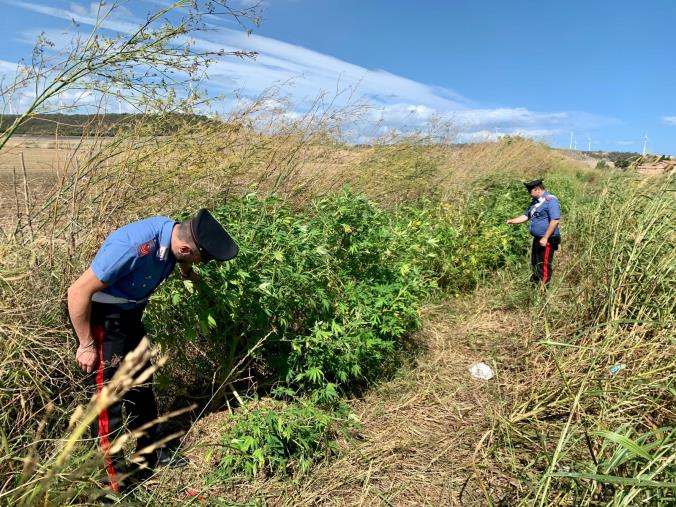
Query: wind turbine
x=645, y=143
x=571, y=140
x=588, y=143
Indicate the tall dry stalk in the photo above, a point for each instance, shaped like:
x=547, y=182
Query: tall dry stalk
x=44, y=467
x=594, y=418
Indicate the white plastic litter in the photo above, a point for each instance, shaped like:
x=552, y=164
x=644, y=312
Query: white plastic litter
x=481, y=371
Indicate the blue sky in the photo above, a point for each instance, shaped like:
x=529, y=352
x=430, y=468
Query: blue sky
x=601, y=69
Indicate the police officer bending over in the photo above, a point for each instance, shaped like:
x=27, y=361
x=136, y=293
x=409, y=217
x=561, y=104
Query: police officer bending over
x=544, y=214
x=106, y=304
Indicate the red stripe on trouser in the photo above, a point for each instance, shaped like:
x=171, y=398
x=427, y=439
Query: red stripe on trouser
x=546, y=272
x=103, y=415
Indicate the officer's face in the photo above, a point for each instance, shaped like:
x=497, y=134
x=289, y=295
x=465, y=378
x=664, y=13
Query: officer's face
x=536, y=192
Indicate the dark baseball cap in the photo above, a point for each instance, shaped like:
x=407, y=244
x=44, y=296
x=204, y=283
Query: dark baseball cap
x=530, y=185
x=211, y=238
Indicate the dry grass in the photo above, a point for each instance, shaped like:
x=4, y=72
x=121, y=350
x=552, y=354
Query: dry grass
x=212, y=162
x=434, y=436
x=576, y=434
x=418, y=450
x=422, y=435
x=34, y=166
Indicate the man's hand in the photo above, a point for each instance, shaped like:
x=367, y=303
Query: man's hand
x=188, y=273
x=518, y=220
x=194, y=277
x=553, y=224
x=87, y=357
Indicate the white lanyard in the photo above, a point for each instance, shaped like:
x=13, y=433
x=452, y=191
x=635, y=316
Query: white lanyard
x=540, y=202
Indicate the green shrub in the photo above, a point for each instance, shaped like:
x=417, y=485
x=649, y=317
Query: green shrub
x=279, y=438
x=320, y=303
x=329, y=293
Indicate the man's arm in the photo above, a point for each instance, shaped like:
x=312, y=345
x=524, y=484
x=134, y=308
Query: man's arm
x=518, y=220
x=79, y=308
x=550, y=229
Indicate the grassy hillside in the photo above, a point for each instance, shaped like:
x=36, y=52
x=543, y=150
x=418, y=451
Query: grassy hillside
x=107, y=125
x=342, y=249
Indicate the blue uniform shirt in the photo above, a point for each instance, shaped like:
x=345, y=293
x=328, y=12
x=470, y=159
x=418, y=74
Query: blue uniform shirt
x=540, y=212
x=136, y=258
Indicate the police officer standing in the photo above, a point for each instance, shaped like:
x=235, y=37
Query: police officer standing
x=106, y=304
x=544, y=214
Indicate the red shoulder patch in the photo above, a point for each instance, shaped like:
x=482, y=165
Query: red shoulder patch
x=146, y=248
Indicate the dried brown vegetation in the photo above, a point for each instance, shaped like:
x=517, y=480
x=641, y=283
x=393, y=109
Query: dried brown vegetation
x=432, y=435
x=423, y=437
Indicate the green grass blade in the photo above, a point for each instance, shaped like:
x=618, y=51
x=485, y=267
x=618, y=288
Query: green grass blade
x=614, y=479
x=625, y=442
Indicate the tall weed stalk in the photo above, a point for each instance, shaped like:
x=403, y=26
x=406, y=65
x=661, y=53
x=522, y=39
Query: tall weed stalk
x=596, y=424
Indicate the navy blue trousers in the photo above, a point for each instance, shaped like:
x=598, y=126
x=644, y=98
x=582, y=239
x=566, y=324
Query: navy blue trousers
x=117, y=332
x=542, y=259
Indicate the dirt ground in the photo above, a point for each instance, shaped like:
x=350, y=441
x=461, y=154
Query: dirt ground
x=422, y=436
x=44, y=160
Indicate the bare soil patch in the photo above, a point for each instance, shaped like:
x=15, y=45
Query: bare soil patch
x=44, y=161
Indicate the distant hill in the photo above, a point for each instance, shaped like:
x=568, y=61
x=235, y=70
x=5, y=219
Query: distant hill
x=88, y=124
x=621, y=159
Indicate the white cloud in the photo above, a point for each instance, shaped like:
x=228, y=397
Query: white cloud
x=625, y=143
x=519, y=116
x=311, y=72
x=398, y=103
x=8, y=68
x=114, y=18
x=279, y=61
x=480, y=136
x=669, y=120
x=95, y=9
x=488, y=135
